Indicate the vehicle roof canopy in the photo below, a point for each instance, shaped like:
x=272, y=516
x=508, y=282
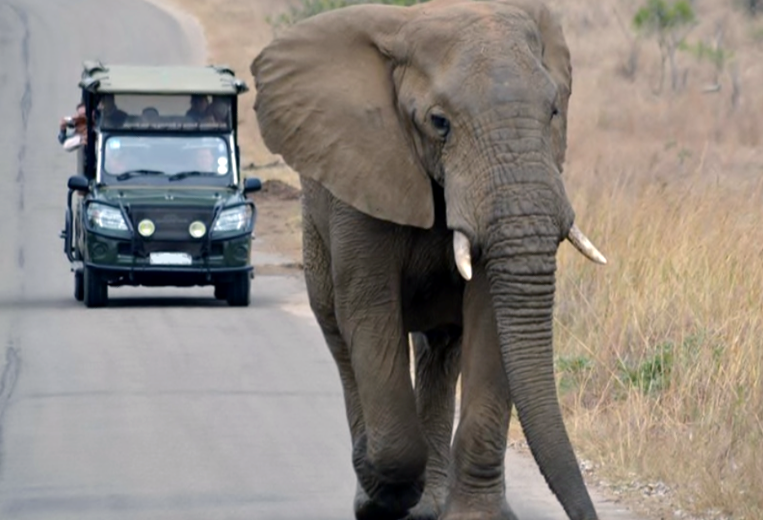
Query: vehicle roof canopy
x=163, y=79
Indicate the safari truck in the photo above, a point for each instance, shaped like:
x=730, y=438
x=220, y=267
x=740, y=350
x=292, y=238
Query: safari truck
x=158, y=198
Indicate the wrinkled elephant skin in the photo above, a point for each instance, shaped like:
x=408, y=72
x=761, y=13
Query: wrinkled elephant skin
x=430, y=142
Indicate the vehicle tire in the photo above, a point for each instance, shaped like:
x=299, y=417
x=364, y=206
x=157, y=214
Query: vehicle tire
x=238, y=291
x=79, y=285
x=96, y=290
x=221, y=291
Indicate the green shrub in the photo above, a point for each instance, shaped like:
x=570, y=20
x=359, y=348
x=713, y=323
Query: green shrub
x=308, y=8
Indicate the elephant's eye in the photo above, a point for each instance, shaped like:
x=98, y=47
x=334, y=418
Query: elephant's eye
x=441, y=124
x=554, y=112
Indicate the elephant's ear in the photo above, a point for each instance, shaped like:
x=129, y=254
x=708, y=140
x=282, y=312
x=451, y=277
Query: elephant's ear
x=326, y=102
x=556, y=59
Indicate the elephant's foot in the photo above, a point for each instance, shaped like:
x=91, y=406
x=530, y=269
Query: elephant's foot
x=367, y=509
x=493, y=508
x=385, y=495
x=390, y=501
x=428, y=508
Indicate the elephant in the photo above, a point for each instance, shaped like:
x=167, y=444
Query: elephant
x=429, y=142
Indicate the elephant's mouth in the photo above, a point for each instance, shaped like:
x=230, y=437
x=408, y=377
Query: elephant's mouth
x=462, y=250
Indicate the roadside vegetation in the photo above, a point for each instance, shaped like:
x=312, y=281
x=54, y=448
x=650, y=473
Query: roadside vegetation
x=660, y=353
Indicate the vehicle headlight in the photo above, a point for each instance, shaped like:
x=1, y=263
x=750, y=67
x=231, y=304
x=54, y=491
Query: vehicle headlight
x=234, y=219
x=197, y=229
x=146, y=228
x=106, y=217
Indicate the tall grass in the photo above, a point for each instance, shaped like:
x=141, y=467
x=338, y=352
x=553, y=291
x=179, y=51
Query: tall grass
x=660, y=353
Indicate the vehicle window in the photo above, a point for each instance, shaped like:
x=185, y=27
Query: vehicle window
x=167, y=112
x=166, y=156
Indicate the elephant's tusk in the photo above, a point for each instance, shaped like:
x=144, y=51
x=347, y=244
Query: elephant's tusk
x=582, y=244
x=462, y=250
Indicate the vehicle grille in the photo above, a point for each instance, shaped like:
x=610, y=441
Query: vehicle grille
x=171, y=233
x=171, y=223
x=193, y=248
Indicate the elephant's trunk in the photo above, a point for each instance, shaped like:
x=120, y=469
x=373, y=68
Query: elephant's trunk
x=520, y=256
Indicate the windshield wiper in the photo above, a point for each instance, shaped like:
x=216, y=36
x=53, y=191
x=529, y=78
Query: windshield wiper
x=134, y=173
x=191, y=173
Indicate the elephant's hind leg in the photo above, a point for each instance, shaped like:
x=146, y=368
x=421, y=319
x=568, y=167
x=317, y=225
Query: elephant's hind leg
x=437, y=362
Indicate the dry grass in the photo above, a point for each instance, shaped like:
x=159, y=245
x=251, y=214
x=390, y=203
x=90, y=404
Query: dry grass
x=660, y=353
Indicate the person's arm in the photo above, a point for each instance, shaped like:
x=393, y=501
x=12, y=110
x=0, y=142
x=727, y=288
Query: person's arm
x=73, y=142
x=62, y=131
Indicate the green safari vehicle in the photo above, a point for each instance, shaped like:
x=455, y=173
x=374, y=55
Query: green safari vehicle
x=158, y=198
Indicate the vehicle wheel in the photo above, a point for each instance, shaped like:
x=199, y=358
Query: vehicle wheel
x=238, y=291
x=79, y=285
x=95, y=289
x=221, y=291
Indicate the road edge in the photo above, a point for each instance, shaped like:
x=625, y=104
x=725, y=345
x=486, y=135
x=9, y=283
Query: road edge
x=191, y=26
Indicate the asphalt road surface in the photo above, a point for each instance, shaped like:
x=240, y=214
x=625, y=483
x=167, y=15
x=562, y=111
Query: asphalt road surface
x=167, y=404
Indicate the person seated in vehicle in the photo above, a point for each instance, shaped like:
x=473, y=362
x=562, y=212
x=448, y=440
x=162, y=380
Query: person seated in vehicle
x=149, y=115
x=78, y=124
x=218, y=110
x=205, y=160
x=109, y=112
x=116, y=160
x=198, y=110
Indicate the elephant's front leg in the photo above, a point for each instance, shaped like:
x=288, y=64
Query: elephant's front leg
x=477, y=487
x=390, y=456
x=437, y=360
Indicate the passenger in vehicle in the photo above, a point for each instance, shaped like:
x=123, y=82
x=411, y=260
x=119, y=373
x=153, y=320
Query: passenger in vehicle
x=110, y=113
x=78, y=124
x=149, y=115
x=199, y=105
x=218, y=110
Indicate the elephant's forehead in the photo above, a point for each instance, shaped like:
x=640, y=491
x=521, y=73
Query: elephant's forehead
x=473, y=25
x=477, y=49
x=473, y=38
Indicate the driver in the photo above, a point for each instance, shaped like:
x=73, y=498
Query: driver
x=115, y=160
x=205, y=160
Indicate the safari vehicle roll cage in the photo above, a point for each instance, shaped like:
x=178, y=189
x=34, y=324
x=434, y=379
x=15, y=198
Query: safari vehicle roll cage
x=99, y=80
x=160, y=120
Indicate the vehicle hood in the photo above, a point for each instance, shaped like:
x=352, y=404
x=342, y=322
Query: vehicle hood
x=166, y=196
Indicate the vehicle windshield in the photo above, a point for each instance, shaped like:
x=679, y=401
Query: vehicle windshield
x=200, y=160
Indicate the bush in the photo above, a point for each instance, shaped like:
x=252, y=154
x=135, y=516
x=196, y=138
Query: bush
x=308, y=8
x=669, y=24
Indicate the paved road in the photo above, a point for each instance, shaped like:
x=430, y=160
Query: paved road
x=166, y=405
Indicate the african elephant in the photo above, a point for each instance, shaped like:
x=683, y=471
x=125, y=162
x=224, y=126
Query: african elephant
x=430, y=142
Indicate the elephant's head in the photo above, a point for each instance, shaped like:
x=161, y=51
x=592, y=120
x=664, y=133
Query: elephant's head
x=378, y=102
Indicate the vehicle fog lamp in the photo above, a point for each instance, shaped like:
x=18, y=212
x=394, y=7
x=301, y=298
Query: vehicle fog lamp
x=146, y=228
x=197, y=229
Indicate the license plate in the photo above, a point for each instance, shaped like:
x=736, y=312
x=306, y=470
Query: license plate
x=170, y=259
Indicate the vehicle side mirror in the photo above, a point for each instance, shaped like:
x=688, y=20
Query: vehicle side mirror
x=252, y=184
x=79, y=183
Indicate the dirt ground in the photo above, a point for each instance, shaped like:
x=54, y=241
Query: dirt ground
x=278, y=227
